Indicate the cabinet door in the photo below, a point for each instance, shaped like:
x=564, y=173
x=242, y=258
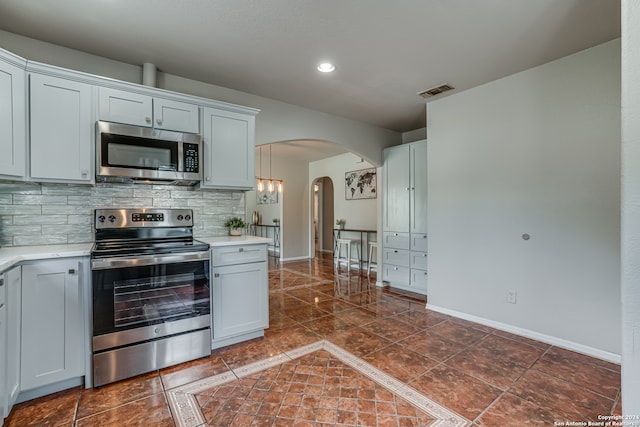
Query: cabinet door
x=397, y=186
x=120, y=106
x=3, y=352
x=418, y=203
x=229, y=149
x=13, y=282
x=52, y=323
x=12, y=120
x=176, y=116
x=61, y=129
x=240, y=299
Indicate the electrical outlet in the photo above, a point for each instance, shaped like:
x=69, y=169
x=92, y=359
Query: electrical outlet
x=511, y=296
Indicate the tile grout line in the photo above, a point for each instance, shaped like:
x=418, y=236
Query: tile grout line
x=183, y=403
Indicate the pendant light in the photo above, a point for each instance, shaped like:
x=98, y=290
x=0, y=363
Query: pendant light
x=260, y=185
x=270, y=186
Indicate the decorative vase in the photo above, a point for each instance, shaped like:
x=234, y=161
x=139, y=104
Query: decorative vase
x=235, y=232
x=255, y=218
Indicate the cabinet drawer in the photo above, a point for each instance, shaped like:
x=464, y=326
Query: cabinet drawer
x=419, y=260
x=419, y=242
x=396, y=240
x=238, y=254
x=395, y=274
x=419, y=279
x=398, y=257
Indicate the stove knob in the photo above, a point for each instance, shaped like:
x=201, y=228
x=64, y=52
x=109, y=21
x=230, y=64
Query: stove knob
x=101, y=218
x=112, y=218
x=179, y=217
x=187, y=217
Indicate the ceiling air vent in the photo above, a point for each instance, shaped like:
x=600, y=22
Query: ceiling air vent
x=435, y=91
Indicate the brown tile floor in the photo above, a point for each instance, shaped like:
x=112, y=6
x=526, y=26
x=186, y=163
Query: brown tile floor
x=490, y=377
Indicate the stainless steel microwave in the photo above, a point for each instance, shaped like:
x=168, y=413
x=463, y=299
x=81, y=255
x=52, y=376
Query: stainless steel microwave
x=127, y=153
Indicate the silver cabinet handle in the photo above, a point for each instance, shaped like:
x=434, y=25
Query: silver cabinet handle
x=1, y=282
x=216, y=275
x=147, y=119
x=241, y=250
x=72, y=271
x=395, y=268
x=1, y=305
x=159, y=121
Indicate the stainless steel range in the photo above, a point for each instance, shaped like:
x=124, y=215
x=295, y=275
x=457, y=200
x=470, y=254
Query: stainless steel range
x=151, y=292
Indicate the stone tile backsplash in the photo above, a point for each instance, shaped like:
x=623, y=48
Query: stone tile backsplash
x=41, y=214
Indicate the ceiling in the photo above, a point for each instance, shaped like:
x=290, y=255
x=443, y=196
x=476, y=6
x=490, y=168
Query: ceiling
x=384, y=51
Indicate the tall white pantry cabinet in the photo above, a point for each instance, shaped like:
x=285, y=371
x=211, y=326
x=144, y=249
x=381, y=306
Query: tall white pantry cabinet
x=404, y=224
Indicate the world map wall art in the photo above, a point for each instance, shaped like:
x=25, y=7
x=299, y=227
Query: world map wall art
x=360, y=184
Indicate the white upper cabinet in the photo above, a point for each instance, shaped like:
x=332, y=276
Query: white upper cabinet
x=418, y=194
x=397, y=189
x=12, y=116
x=125, y=107
x=175, y=115
x=131, y=108
x=229, y=149
x=61, y=130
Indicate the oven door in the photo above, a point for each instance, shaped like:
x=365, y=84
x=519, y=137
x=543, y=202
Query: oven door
x=142, y=298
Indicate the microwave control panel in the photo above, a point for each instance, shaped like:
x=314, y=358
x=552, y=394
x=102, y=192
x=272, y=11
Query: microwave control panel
x=191, y=157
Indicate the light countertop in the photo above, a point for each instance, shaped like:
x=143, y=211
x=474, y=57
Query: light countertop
x=11, y=255
x=234, y=240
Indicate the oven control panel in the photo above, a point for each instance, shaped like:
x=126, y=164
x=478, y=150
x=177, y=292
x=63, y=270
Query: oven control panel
x=142, y=218
x=153, y=217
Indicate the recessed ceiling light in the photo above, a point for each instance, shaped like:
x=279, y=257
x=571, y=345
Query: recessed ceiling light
x=326, y=67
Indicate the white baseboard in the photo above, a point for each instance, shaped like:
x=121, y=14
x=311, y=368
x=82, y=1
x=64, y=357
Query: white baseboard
x=559, y=342
x=298, y=258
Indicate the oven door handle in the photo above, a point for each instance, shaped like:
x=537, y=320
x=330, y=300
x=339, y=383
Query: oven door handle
x=141, y=260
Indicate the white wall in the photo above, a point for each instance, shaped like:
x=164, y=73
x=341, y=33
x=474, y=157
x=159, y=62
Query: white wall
x=537, y=152
x=630, y=207
x=277, y=121
x=360, y=213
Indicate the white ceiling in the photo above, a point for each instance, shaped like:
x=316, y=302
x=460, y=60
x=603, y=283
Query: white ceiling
x=385, y=51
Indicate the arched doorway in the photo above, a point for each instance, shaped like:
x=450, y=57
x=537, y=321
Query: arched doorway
x=322, y=190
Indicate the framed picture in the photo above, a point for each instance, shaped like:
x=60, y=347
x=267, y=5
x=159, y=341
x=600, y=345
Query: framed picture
x=267, y=197
x=360, y=184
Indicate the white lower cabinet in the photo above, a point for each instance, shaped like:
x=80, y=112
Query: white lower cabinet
x=240, y=293
x=10, y=321
x=53, y=324
x=3, y=346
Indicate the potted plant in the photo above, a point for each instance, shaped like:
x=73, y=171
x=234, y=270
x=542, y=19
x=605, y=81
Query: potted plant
x=340, y=222
x=276, y=221
x=235, y=225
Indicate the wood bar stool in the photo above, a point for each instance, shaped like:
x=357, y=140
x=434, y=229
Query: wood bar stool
x=370, y=263
x=346, y=244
